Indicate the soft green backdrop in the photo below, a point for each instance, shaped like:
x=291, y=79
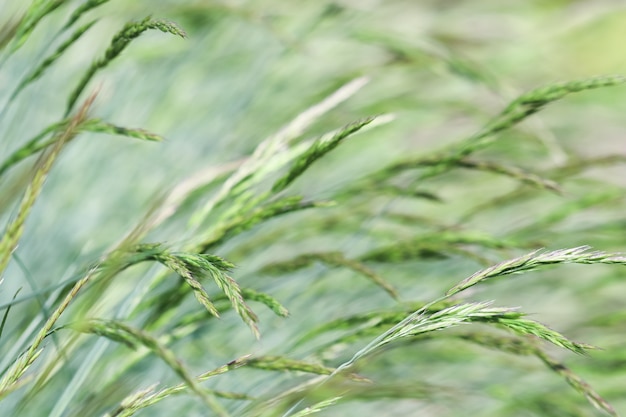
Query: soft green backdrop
x=442, y=68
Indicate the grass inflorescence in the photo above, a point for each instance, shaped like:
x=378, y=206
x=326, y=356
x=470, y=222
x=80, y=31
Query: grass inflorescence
x=120, y=41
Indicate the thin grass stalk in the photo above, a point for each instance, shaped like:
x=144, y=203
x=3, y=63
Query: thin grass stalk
x=120, y=41
x=6, y=313
x=575, y=166
x=145, y=398
x=37, y=143
x=14, y=231
x=13, y=375
x=333, y=259
x=34, y=14
x=81, y=10
x=578, y=384
x=130, y=336
x=41, y=69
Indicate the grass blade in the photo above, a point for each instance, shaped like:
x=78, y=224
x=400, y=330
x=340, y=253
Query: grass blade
x=6, y=313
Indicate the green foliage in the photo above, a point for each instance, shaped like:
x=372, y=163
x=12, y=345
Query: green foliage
x=282, y=236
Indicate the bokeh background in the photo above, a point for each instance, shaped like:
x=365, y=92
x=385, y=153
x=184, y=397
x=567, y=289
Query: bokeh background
x=442, y=68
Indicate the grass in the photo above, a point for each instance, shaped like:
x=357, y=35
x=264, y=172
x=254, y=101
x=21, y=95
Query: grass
x=351, y=262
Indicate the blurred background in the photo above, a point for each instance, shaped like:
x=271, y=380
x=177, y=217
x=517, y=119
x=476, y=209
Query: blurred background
x=442, y=68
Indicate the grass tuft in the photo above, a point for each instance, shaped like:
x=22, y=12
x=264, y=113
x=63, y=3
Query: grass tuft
x=99, y=310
